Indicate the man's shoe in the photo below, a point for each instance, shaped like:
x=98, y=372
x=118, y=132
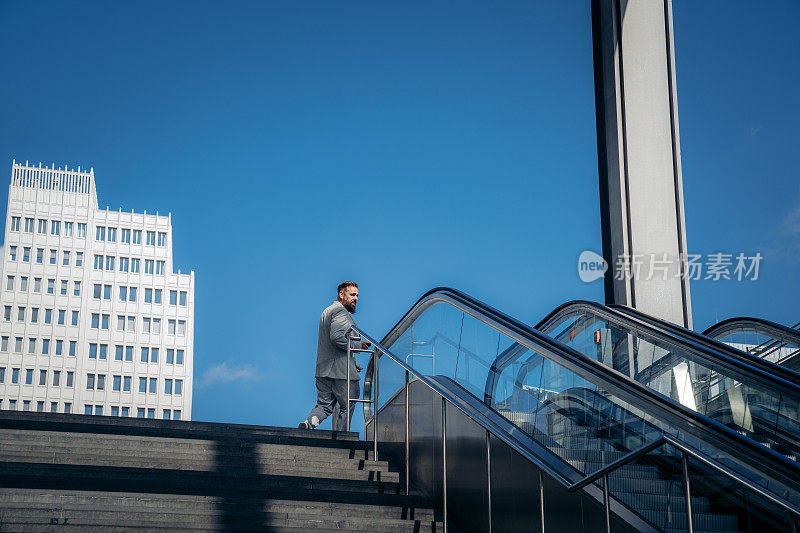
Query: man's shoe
x=304, y=425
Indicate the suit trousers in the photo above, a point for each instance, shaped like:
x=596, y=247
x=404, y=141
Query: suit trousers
x=331, y=392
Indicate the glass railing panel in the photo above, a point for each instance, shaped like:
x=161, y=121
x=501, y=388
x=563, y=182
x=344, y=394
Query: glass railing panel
x=677, y=372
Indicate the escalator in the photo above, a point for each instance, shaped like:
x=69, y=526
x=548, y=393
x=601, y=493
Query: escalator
x=604, y=423
x=761, y=338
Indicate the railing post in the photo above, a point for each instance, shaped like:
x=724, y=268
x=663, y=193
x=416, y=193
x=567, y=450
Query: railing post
x=688, y=491
x=408, y=438
x=444, y=463
x=376, y=356
x=607, y=503
x=347, y=387
x=489, y=478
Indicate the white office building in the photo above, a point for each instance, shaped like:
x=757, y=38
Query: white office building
x=95, y=320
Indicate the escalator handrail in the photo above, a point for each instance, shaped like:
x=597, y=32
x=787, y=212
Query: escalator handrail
x=697, y=454
x=772, y=329
x=714, y=344
x=747, y=452
x=741, y=367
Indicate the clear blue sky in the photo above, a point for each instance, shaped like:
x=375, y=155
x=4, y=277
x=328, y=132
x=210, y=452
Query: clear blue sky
x=403, y=145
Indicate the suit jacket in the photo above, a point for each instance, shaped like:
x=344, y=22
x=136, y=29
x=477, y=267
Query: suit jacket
x=334, y=324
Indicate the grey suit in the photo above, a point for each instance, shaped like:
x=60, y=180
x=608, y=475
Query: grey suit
x=331, y=372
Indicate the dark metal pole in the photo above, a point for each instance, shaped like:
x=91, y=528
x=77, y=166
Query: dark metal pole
x=489, y=477
x=607, y=503
x=408, y=439
x=376, y=355
x=688, y=492
x=444, y=463
x=347, y=387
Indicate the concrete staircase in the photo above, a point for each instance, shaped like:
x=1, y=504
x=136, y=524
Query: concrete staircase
x=98, y=473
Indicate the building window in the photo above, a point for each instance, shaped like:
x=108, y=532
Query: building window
x=167, y=386
x=34, y=315
x=154, y=355
x=132, y=323
x=148, y=296
x=120, y=323
x=176, y=414
x=59, y=347
x=135, y=265
x=26, y=254
x=70, y=380
x=23, y=284
x=13, y=253
x=106, y=292
x=160, y=268
x=110, y=262
x=100, y=233
x=124, y=264
x=48, y=316
x=101, y=381
x=62, y=316
x=118, y=349
x=81, y=230
x=53, y=256
x=17, y=344
x=166, y=414
x=170, y=356
x=98, y=290
x=153, y=386
x=26, y=405
x=28, y=225
x=123, y=294
x=42, y=226
x=98, y=410
x=68, y=407
x=157, y=296
x=42, y=377
x=162, y=238
x=78, y=259
x=55, y=227
x=173, y=297
x=20, y=314
x=137, y=236
x=63, y=287
x=2, y=374
x=98, y=262
x=145, y=325
x=156, y=325
x=65, y=261
x=7, y=313
x=132, y=294
x=182, y=300
x=75, y=318
x=142, y=384
x=145, y=355
x=56, y=378
x=51, y=286
x=151, y=238
x=129, y=353
x=76, y=291
x=45, y=348
x=92, y=351
x=4, y=343
x=114, y=410
x=148, y=266
x=73, y=348
x=29, y=377
x=126, y=384
x=15, y=375
x=67, y=229
x=112, y=234
x=125, y=236
x=10, y=283
x=37, y=285
x=31, y=346
x=140, y=412
x=104, y=322
x=170, y=327
x=15, y=223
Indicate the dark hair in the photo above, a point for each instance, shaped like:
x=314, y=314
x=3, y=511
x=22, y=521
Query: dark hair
x=343, y=285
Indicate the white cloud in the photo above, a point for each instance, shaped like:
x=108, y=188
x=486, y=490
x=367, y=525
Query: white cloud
x=228, y=372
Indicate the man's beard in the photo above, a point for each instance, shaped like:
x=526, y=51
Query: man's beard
x=351, y=308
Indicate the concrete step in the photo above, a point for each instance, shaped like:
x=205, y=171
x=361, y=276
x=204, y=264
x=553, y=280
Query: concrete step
x=402, y=508
x=328, y=471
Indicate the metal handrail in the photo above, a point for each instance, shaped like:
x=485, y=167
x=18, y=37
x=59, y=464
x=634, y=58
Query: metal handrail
x=749, y=454
x=447, y=396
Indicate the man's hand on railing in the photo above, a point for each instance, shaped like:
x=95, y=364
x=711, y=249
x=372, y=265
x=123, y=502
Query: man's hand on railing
x=365, y=345
x=358, y=367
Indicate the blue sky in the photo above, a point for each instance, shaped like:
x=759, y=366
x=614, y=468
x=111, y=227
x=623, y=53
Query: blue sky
x=404, y=146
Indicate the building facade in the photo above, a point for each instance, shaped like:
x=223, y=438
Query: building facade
x=94, y=320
